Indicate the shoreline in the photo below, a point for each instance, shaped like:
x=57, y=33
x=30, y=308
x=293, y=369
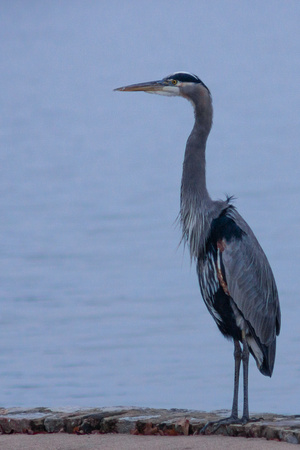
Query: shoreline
x=142, y=422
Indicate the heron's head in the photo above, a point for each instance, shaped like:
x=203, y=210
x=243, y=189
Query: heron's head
x=182, y=84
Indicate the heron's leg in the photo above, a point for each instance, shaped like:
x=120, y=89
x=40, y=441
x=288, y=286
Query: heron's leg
x=233, y=418
x=237, y=364
x=245, y=358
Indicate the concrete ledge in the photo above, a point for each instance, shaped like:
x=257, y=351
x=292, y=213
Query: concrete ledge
x=143, y=421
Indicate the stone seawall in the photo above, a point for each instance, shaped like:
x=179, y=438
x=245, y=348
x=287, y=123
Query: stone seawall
x=144, y=421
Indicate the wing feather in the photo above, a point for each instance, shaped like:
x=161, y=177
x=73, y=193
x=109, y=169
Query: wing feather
x=251, y=282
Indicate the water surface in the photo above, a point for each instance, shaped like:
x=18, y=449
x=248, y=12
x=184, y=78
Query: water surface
x=99, y=306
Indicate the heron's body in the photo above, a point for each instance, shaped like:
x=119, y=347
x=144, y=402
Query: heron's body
x=231, y=278
x=236, y=281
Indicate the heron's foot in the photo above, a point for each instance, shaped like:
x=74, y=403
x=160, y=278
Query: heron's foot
x=215, y=425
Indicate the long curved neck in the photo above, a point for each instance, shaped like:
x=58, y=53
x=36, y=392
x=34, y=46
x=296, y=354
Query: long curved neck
x=195, y=202
x=193, y=183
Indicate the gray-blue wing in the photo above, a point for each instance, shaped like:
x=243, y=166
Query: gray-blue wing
x=251, y=283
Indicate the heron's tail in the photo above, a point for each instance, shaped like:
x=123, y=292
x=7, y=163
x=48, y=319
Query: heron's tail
x=264, y=355
x=269, y=352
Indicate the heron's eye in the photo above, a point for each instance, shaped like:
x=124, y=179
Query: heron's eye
x=174, y=82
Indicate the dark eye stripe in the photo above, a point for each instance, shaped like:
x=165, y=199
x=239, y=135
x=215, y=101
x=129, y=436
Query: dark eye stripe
x=185, y=77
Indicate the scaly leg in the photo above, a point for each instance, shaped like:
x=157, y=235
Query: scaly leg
x=245, y=358
x=233, y=418
x=237, y=364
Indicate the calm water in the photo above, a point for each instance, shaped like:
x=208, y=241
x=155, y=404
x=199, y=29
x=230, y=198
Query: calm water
x=99, y=306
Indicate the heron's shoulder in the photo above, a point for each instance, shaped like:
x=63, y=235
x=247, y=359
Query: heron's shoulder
x=228, y=224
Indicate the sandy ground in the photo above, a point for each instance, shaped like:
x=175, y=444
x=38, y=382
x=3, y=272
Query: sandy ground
x=128, y=442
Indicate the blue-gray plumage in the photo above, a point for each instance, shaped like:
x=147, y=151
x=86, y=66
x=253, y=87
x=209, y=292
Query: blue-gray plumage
x=236, y=280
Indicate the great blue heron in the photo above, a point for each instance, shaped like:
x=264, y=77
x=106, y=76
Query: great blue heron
x=236, y=280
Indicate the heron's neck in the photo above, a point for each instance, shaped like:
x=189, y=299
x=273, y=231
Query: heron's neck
x=196, y=204
x=193, y=183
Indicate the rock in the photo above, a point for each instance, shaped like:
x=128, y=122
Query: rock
x=54, y=424
x=133, y=420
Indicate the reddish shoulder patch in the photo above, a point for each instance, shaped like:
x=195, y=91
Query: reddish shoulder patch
x=221, y=244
